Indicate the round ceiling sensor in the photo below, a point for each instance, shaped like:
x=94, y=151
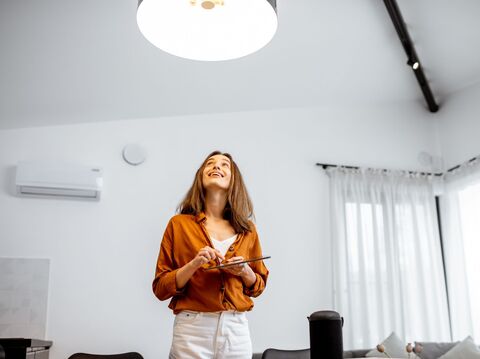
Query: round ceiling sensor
x=134, y=154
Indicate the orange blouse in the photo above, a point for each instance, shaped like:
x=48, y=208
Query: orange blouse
x=207, y=290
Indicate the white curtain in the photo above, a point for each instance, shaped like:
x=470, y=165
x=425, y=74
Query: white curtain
x=388, y=269
x=460, y=214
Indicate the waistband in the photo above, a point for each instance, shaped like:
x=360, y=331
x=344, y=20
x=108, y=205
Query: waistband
x=214, y=314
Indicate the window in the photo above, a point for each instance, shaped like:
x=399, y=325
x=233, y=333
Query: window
x=469, y=203
x=388, y=270
x=364, y=221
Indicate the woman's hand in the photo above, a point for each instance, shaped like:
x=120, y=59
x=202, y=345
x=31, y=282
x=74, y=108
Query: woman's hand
x=242, y=270
x=205, y=255
x=238, y=269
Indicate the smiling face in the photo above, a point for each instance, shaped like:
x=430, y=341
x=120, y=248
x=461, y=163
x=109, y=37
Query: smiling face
x=217, y=173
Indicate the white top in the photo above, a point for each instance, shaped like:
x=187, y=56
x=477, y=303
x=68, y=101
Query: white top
x=222, y=246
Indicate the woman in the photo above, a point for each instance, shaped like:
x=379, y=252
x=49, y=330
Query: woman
x=213, y=227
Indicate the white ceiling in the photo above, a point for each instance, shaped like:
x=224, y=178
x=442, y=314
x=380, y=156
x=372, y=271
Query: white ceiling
x=67, y=61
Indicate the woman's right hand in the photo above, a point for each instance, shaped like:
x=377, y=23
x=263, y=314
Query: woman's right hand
x=205, y=255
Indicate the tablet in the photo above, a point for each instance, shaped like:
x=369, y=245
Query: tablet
x=220, y=266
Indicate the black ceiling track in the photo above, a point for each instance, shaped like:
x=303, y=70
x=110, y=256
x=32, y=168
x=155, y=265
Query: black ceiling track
x=412, y=57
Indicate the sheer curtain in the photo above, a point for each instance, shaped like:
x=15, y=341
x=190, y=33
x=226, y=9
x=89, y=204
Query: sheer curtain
x=460, y=213
x=388, y=269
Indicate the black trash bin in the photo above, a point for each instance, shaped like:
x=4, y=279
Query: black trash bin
x=326, y=340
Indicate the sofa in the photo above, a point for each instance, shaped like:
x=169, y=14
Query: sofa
x=346, y=354
x=359, y=353
x=431, y=350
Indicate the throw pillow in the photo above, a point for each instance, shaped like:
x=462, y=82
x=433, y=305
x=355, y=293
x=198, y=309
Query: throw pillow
x=394, y=347
x=463, y=350
x=434, y=350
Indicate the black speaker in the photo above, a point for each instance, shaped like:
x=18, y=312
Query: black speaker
x=326, y=340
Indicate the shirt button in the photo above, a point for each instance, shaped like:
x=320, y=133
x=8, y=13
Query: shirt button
x=231, y=249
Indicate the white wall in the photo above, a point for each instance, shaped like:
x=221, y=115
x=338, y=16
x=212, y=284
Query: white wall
x=459, y=126
x=103, y=254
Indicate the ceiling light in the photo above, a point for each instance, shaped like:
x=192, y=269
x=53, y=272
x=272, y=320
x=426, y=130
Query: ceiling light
x=208, y=30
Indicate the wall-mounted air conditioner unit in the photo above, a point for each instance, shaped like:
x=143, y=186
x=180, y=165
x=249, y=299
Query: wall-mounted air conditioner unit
x=42, y=179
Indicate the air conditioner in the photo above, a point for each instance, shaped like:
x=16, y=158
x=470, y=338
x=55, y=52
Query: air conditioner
x=42, y=179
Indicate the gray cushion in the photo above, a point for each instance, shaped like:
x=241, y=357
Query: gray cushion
x=394, y=347
x=434, y=350
x=463, y=350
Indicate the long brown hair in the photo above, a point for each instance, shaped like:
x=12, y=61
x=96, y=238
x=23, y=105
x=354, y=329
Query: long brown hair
x=238, y=210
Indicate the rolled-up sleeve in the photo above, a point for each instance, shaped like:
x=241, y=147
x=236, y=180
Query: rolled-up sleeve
x=260, y=270
x=164, y=284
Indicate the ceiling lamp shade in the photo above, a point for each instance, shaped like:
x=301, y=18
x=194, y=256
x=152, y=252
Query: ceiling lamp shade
x=208, y=30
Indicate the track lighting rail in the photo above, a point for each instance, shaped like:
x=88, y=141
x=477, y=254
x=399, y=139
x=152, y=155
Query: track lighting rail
x=412, y=57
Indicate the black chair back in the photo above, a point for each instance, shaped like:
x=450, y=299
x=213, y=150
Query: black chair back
x=129, y=355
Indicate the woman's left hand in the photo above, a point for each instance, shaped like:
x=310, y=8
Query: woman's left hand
x=240, y=269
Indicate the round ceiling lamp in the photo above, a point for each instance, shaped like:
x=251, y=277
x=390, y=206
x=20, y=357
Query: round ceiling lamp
x=208, y=30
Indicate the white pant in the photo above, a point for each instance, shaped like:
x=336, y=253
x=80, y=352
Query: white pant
x=222, y=335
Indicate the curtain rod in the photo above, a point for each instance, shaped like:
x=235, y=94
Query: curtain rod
x=327, y=165
x=464, y=163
